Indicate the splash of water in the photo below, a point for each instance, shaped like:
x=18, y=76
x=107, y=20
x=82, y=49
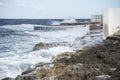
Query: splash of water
x=19, y=55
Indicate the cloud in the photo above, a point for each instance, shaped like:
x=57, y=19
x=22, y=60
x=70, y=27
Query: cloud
x=37, y=8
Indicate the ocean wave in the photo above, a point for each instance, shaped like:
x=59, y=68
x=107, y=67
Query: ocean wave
x=21, y=27
x=20, y=55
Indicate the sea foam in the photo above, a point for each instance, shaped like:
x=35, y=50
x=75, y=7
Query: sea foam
x=20, y=55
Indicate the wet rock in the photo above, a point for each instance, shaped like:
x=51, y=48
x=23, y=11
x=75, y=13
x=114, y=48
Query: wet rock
x=18, y=77
x=43, y=73
x=28, y=71
x=102, y=55
x=28, y=78
x=83, y=64
x=113, y=37
x=25, y=77
x=49, y=45
x=95, y=27
x=7, y=78
x=38, y=46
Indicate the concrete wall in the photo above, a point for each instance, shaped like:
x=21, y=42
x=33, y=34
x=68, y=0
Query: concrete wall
x=111, y=20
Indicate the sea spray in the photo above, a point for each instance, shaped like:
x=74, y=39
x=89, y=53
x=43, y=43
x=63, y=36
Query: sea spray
x=18, y=54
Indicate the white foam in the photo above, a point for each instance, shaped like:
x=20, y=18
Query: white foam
x=56, y=23
x=68, y=35
x=14, y=65
x=21, y=56
x=21, y=27
x=103, y=76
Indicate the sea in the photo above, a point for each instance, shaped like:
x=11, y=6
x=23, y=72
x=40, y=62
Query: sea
x=18, y=37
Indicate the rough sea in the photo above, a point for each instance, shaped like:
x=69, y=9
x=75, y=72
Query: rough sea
x=17, y=42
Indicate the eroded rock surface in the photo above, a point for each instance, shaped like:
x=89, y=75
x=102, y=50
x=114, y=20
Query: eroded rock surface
x=85, y=64
x=88, y=63
x=49, y=45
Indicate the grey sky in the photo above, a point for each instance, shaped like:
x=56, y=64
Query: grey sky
x=54, y=8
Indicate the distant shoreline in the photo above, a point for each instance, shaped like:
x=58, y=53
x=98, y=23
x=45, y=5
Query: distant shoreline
x=33, y=21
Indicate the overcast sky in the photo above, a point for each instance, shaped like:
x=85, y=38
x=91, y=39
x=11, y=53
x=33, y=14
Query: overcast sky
x=54, y=8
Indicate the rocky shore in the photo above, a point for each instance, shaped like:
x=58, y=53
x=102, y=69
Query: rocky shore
x=48, y=45
x=98, y=62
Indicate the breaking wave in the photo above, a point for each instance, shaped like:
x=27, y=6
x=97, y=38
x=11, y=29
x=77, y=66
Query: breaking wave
x=17, y=42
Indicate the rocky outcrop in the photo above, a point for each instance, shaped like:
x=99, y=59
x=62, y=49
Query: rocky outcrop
x=98, y=62
x=84, y=64
x=39, y=46
x=48, y=28
x=49, y=45
x=7, y=78
x=95, y=27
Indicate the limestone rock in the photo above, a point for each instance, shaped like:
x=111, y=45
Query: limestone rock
x=39, y=46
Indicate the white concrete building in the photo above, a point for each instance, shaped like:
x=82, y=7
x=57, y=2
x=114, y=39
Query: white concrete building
x=111, y=21
x=97, y=18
